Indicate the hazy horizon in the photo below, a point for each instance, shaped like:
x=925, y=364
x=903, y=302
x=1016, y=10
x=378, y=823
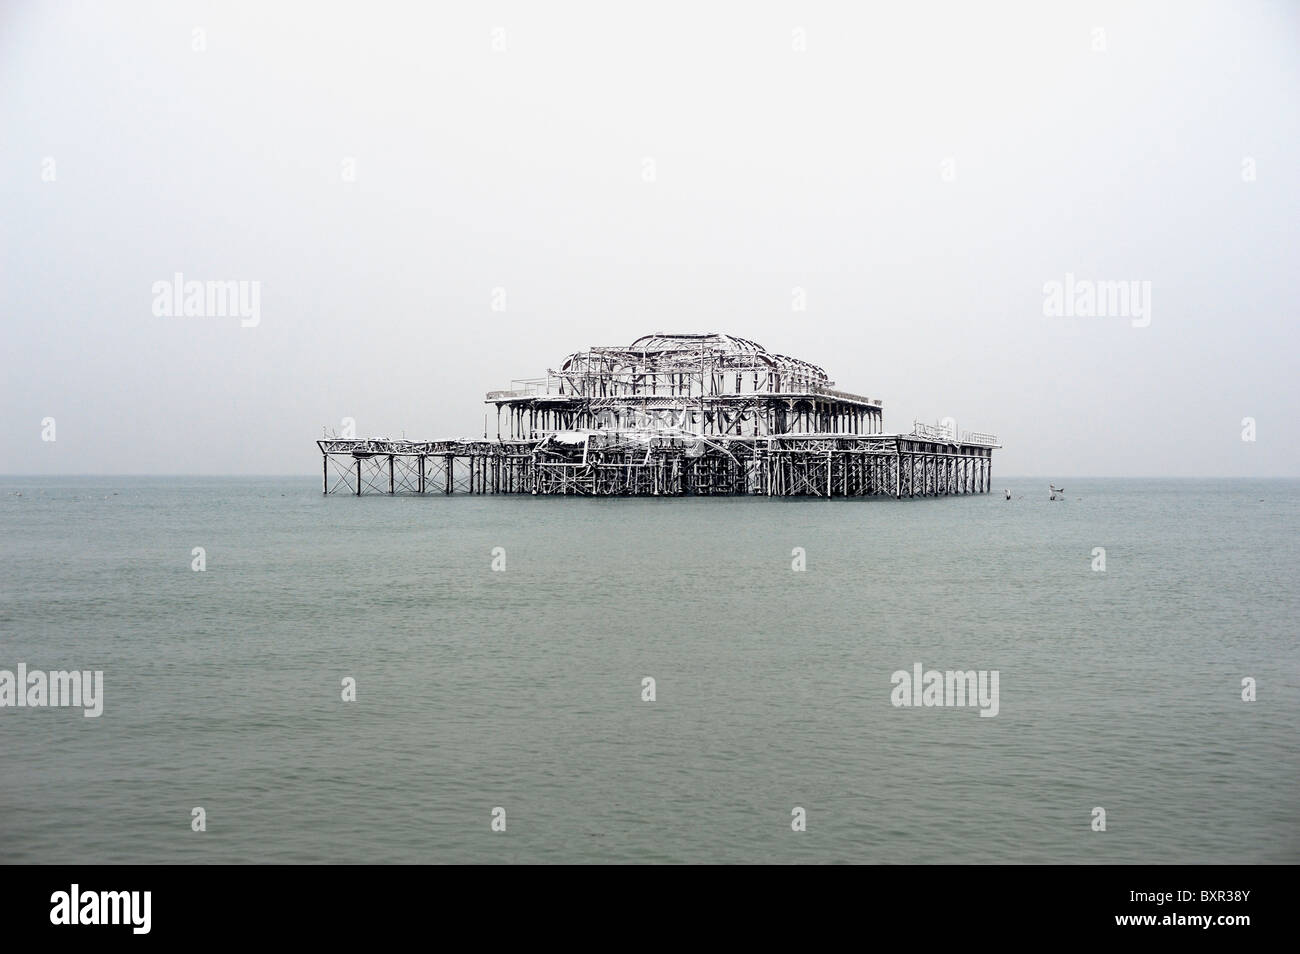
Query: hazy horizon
x=433, y=203
x=296, y=475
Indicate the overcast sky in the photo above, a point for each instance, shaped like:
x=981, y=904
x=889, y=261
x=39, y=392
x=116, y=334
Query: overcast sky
x=920, y=171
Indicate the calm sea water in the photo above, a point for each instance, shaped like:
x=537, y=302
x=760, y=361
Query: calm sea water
x=522, y=689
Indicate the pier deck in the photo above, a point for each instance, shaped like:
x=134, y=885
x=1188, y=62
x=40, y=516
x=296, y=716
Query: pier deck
x=600, y=464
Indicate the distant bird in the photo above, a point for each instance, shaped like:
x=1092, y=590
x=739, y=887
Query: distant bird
x=1007, y=491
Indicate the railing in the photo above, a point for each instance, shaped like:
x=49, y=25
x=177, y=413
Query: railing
x=370, y=446
x=532, y=387
x=948, y=434
x=847, y=395
x=617, y=390
x=934, y=432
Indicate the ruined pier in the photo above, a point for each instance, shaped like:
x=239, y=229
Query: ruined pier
x=675, y=415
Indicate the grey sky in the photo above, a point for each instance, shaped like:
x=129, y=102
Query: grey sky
x=477, y=168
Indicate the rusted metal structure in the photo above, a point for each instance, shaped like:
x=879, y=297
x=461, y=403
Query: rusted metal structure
x=673, y=415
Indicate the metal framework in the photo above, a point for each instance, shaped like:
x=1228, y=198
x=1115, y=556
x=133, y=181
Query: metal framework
x=675, y=415
x=717, y=385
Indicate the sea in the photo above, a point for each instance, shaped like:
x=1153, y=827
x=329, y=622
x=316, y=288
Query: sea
x=289, y=677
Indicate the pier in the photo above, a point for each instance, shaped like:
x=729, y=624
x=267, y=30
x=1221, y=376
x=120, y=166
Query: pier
x=675, y=415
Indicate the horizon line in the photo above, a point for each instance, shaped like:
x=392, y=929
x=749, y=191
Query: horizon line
x=1049, y=476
